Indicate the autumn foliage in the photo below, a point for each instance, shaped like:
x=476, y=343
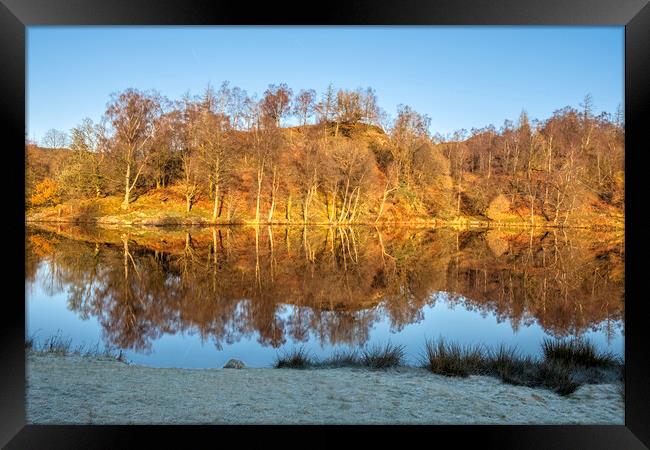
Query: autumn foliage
x=45, y=193
x=233, y=158
x=499, y=208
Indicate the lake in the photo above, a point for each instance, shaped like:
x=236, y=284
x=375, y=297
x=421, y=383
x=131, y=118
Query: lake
x=196, y=297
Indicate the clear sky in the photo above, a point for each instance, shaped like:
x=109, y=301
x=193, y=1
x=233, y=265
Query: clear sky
x=462, y=77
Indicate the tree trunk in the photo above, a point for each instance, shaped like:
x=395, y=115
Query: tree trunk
x=288, y=213
x=334, y=197
x=356, y=202
x=215, y=210
x=127, y=188
x=383, y=201
x=489, y=164
x=273, y=189
x=125, y=241
x=327, y=207
x=260, y=174
x=458, y=200
x=306, y=206
x=345, y=197
x=570, y=210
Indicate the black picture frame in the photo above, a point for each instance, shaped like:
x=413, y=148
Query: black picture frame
x=16, y=15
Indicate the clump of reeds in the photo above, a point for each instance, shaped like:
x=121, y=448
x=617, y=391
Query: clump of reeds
x=526, y=371
x=342, y=358
x=563, y=368
x=452, y=360
x=556, y=377
x=558, y=370
x=297, y=358
x=375, y=357
x=579, y=352
x=383, y=357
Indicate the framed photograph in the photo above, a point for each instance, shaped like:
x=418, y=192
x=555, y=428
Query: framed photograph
x=409, y=214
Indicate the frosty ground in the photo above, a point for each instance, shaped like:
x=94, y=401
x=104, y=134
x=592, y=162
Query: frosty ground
x=80, y=390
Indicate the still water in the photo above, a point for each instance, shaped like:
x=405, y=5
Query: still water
x=196, y=297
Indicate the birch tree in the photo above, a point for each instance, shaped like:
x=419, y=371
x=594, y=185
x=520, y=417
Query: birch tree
x=132, y=115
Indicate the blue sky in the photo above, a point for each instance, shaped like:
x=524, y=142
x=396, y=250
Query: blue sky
x=462, y=77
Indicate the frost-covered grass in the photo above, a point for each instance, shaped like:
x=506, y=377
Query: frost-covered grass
x=58, y=345
x=297, y=358
x=565, y=366
x=578, y=352
x=375, y=357
x=79, y=390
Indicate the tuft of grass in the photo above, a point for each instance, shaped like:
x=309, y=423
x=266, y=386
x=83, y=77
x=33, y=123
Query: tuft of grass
x=383, y=357
x=531, y=373
x=557, y=377
x=452, y=360
x=507, y=364
x=376, y=357
x=518, y=370
x=563, y=368
x=577, y=352
x=56, y=345
x=297, y=358
x=60, y=346
x=342, y=358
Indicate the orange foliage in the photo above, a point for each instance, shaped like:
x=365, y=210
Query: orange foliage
x=45, y=193
x=499, y=208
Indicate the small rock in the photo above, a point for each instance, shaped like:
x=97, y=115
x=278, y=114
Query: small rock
x=234, y=364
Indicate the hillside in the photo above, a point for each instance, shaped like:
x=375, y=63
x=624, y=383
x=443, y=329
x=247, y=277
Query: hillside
x=195, y=164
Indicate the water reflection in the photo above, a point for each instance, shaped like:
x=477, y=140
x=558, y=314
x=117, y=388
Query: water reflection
x=231, y=283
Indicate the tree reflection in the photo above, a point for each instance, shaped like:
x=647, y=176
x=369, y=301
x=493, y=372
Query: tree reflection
x=331, y=283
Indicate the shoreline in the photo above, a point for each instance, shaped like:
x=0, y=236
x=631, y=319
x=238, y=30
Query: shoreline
x=82, y=389
x=165, y=223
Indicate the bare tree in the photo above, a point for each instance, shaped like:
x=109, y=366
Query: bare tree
x=325, y=108
x=211, y=136
x=410, y=130
x=303, y=106
x=55, y=139
x=371, y=111
x=275, y=104
x=132, y=115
